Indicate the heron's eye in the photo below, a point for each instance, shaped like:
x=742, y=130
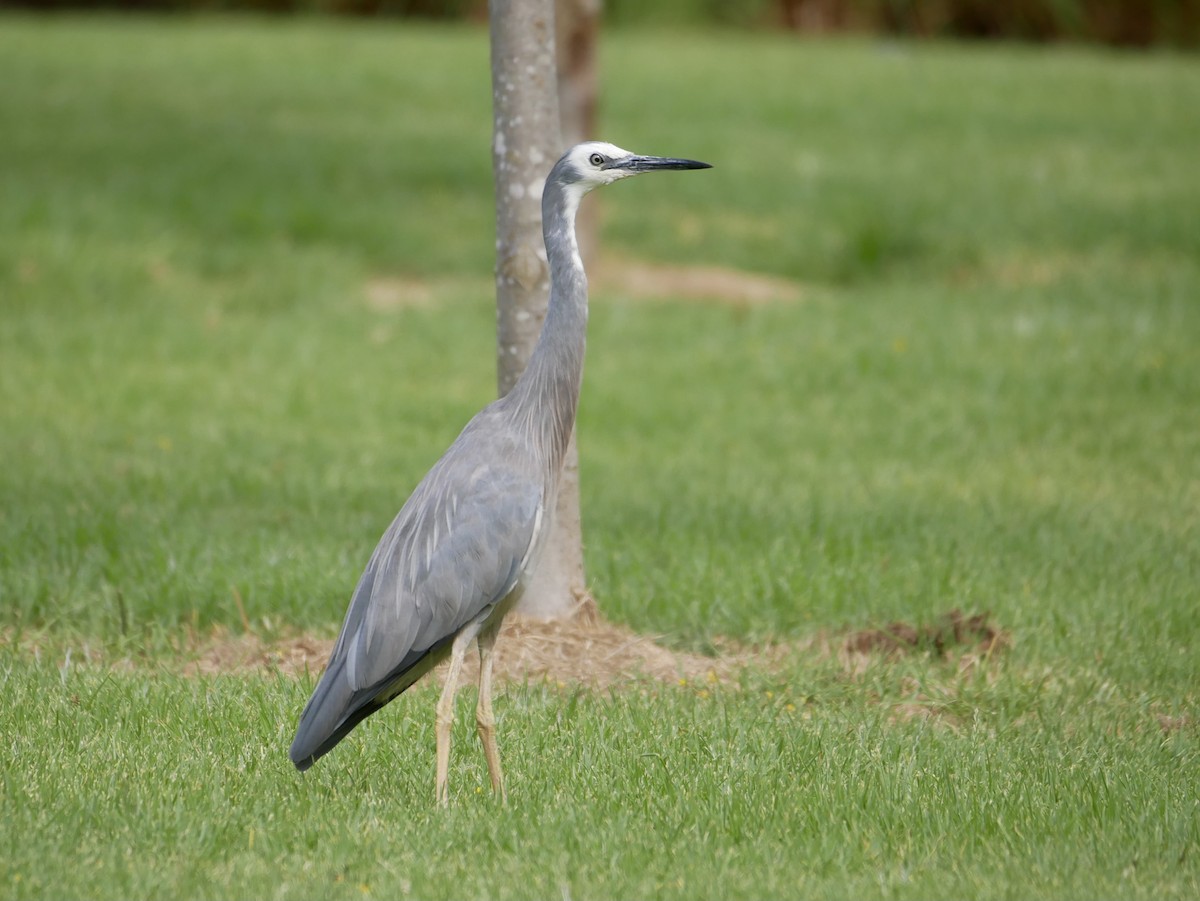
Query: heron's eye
x=596, y=160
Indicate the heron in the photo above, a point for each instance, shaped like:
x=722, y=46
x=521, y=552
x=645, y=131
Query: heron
x=463, y=547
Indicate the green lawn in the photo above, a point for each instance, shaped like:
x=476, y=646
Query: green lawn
x=988, y=398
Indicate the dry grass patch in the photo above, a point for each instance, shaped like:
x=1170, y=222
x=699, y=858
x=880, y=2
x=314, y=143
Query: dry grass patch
x=586, y=651
x=591, y=652
x=582, y=651
x=654, y=281
x=385, y=294
x=975, y=635
x=629, y=278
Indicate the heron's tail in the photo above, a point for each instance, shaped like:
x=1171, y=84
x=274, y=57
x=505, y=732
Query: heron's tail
x=334, y=709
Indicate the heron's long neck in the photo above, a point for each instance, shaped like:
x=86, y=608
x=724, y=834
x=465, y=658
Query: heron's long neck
x=547, y=393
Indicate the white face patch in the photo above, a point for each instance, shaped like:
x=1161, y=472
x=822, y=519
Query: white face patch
x=584, y=157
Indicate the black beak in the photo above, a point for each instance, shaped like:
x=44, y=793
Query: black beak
x=651, y=163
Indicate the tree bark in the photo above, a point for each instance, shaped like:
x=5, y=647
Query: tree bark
x=577, y=30
x=526, y=141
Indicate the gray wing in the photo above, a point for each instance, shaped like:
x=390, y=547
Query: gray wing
x=456, y=549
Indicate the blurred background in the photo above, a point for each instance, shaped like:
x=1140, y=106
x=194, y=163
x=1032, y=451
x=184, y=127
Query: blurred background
x=1118, y=22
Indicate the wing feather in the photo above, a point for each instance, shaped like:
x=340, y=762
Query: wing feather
x=456, y=549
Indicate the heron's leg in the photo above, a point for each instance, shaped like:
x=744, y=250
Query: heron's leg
x=484, y=718
x=445, y=714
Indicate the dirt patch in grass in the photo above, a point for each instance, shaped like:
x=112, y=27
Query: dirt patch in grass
x=384, y=294
x=586, y=651
x=965, y=640
x=1172, y=724
x=654, y=281
x=627, y=278
x=599, y=654
x=593, y=653
x=952, y=631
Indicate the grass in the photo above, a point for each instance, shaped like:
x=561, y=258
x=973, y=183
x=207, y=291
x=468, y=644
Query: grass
x=986, y=400
x=666, y=796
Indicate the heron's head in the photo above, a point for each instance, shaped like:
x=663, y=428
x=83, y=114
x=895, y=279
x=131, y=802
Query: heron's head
x=595, y=163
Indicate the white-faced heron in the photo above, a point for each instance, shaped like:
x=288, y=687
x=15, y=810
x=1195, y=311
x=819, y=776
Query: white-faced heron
x=463, y=547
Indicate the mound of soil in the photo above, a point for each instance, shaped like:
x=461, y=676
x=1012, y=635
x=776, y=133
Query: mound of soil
x=596, y=654
x=589, y=652
x=951, y=631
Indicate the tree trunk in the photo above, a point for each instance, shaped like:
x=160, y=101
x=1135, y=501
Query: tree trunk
x=526, y=140
x=577, y=29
